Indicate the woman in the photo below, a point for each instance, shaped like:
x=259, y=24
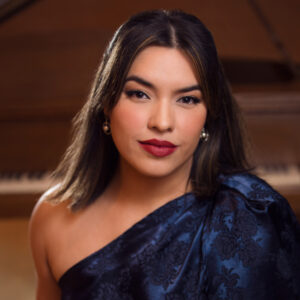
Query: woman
x=154, y=200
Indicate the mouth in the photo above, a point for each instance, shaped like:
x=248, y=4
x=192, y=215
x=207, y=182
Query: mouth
x=158, y=148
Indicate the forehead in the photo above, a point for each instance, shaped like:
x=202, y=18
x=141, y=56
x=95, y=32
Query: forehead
x=157, y=63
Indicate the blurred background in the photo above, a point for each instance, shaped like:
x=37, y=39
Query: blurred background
x=49, y=53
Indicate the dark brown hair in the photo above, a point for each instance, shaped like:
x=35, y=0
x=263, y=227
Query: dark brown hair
x=91, y=160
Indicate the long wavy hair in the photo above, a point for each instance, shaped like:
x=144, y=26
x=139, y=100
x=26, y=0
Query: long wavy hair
x=91, y=160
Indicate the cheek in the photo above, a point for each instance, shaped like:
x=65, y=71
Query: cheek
x=191, y=125
x=126, y=120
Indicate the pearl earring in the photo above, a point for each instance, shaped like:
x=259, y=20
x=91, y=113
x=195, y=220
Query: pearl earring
x=204, y=135
x=106, y=127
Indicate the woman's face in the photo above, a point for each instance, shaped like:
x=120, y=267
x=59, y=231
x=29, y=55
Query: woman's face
x=157, y=121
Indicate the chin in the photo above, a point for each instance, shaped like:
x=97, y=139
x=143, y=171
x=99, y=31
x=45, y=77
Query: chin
x=157, y=169
x=155, y=174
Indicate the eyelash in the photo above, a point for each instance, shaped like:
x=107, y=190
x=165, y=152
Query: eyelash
x=141, y=95
x=136, y=93
x=190, y=99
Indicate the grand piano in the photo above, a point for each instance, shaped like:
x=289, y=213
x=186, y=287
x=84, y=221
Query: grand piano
x=49, y=53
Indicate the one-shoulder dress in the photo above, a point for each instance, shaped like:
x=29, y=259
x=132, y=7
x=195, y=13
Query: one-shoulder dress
x=242, y=243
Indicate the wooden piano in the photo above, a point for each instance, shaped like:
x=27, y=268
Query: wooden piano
x=48, y=56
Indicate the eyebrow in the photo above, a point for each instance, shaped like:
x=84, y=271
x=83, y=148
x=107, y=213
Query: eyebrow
x=139, y=80
x=150, y=85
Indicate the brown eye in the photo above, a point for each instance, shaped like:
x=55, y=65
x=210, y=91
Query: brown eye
x=189, y=100
x=137, y=94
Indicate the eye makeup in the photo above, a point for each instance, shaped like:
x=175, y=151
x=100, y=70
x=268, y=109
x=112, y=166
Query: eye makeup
x=136, y=93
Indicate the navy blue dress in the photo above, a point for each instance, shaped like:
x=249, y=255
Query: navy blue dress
x=244, y=243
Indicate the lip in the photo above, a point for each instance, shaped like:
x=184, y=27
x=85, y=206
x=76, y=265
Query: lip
x=158, y=148
x=159, y=143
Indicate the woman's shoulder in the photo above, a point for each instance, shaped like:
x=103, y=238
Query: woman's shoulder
x=47, y=220
x=45, y=210
x=253, y=193
x=45, y=228
x=250, y=186
x=245, y=195
x=253, y=240
x=248, y=209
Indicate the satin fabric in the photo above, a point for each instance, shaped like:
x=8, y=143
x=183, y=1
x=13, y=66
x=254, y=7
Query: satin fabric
x=243, y=243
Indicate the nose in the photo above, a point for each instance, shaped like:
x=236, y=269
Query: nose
x=162, y=116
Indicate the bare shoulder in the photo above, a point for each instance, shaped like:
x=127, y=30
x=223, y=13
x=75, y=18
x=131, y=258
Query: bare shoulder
x=46, y=216
x=45, y=221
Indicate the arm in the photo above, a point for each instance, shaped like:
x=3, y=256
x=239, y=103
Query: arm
x=47, y=287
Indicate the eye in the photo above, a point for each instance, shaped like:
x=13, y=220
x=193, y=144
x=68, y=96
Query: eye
x=136, y=94
x=189, y=100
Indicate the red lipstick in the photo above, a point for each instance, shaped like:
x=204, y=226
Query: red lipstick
x=157, y=147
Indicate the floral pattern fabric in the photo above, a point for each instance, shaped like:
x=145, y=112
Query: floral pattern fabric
x=243, y=243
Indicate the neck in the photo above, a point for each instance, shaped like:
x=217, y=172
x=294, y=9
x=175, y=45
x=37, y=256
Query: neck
x=129, y=187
